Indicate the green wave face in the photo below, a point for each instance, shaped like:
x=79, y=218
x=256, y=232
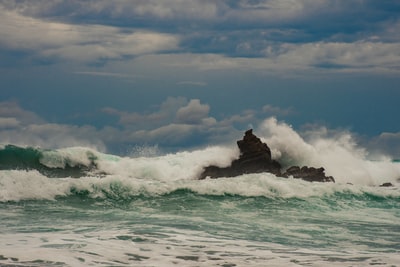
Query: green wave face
x=29, y=158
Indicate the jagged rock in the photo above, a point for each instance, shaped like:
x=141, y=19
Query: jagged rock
x=310, y=174
x=386, y=185
x=255, y=157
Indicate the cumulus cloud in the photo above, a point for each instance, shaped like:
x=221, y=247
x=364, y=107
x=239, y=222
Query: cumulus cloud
x=187, y=123
x=193, y=113
x=176, y=122
x=166, y=112
x=52, y=136
x=12, y=114
x=22, y=127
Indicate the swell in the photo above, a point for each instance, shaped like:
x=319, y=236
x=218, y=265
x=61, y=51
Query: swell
x=289, y=193
x=47, y=162
x=17, y=186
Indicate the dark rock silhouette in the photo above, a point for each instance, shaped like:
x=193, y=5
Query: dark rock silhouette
x=255, y=157
x=386, y=185
x=309, y=174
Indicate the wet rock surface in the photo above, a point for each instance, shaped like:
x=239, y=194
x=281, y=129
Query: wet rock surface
x=255, y=157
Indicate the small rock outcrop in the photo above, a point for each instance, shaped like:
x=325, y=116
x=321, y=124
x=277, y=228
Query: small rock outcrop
x=309, y=174
x=255, y=157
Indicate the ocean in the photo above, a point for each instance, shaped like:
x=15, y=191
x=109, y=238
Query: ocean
x=77, y=206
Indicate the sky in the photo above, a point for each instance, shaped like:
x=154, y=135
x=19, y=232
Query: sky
x=117, y=75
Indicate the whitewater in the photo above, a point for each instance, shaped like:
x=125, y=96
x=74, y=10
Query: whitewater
x=77, y=206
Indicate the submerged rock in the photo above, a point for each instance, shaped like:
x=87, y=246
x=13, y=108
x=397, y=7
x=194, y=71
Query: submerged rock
x=255, y=157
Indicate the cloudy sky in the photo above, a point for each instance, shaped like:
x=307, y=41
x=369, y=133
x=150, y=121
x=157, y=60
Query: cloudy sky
x=187, y=73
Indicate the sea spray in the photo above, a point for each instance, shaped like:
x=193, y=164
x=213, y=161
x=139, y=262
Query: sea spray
x=31, y=185
x=151, y=210
x=339, y=155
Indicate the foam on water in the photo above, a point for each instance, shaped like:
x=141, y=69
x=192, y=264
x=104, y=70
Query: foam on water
x=177, y=248
x=31, y=185
x=73, y=156
x=163, y=174
x=213, y=232
x=150, y=210
x=339, y=155
x=157, y=175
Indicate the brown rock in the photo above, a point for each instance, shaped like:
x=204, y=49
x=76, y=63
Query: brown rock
x=255, y=157
x=309, y=174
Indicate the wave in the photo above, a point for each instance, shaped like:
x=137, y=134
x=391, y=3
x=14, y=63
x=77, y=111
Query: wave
x=339, y=154
x=35, y=173
x=31, y=185
x=70, y=162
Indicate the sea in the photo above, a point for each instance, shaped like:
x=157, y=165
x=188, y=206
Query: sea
x=77, y=206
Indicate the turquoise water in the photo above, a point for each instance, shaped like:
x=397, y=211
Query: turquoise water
x=329, y=225
x=79, y=207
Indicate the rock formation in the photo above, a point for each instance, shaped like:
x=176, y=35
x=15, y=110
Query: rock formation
x=255, y=157
x=309, y=174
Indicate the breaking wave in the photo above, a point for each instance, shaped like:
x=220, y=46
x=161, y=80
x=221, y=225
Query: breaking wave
x=33, y=173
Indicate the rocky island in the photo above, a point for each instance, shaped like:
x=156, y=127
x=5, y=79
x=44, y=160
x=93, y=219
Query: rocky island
x=255, y=157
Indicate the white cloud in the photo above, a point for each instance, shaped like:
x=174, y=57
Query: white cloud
x=127, y=118
x=363, y=56
x=193, y=113
x=14, y=114
x=22, y=127
x=176, y=121
x=8, y=123
x=358, y=56
x=185, y=122
x=90, y=42
x=27, y=33
x=168, y=134
x=116, y=45
x=53, y=136
x=245, y=116
x=79, y=42
x=166, y=112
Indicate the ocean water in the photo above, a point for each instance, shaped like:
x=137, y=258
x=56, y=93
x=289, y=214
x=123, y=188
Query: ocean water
x=79, y=207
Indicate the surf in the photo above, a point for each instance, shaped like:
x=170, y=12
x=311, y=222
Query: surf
x=35, y=173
